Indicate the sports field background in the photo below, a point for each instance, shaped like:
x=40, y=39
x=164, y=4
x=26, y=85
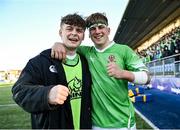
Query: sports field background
x=14, y=117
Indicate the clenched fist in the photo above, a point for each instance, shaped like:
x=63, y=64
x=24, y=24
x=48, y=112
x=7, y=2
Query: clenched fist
x=58, y=94
x=114, y=70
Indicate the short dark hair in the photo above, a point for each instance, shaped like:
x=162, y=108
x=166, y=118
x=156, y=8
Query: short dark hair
x=96, y=18
x=74, y=19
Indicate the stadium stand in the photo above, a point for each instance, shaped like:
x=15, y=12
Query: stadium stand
x=167, y=45
x=152, y=29
x=137, y=93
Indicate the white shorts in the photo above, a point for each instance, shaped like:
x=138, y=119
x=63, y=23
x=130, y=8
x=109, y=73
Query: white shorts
x=99, y=128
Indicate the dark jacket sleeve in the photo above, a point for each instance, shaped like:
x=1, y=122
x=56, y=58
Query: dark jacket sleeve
x=28, y=91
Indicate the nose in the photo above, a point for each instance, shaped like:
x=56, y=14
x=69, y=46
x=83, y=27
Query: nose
x=97, y=30
x=74, y=32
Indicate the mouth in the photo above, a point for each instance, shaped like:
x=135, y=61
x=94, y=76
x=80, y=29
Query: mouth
x=98, y=37
x=73, y=39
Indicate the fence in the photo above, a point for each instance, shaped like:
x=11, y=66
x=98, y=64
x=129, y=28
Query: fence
x=168, y=66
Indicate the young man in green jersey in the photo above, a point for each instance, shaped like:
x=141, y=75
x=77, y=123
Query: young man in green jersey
x=112, y=66
x=56, y=93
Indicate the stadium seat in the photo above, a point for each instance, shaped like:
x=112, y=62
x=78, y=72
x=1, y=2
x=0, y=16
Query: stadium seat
x=141, y=98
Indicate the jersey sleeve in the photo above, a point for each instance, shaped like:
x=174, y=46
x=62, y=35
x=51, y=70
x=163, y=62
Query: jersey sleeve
x=83, y=50
x=133, y=61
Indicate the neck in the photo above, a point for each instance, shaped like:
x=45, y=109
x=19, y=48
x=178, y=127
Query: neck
x=71, y=53
x=105, y=48
x=101, y=47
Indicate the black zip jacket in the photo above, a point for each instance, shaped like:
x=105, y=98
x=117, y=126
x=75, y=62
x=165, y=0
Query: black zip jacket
x=32, y=88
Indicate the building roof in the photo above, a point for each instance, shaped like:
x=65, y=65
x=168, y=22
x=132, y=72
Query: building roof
x=143, y=18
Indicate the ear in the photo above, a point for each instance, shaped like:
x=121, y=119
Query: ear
x=108, y=30
x=89, y=34
x=83, y=36
x=60, y=32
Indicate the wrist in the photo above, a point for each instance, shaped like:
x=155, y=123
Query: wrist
x=126, y=75
x=141, y=77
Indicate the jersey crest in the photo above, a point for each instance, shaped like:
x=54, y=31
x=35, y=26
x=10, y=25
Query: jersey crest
x=75, y=87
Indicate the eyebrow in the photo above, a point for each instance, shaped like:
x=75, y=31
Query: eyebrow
x=97, y=24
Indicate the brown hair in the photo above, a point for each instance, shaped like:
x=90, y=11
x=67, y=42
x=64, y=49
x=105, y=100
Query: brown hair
x=73, y=19
x=96, y=18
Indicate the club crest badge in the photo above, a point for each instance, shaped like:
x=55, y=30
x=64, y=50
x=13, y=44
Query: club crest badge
x=111, y=58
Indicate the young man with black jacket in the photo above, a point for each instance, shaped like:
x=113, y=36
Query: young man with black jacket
x=57, y=93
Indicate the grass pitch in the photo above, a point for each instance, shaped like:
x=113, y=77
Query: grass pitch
x=14, y=117
x=11, y=115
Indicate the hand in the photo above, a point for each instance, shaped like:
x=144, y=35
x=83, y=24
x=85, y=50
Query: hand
x=58, y=94
x=114, y=70
x=58, y=51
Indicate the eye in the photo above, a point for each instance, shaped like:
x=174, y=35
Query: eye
x=80, y=30
x=92, y=29
x=69, y=28
x=101, y=26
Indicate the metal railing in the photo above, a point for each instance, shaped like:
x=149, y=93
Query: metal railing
x=168, y=66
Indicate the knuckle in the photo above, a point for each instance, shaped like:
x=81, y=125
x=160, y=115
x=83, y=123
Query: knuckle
x=61, y=102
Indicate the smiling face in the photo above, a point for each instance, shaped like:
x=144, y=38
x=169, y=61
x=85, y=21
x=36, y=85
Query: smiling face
x=99, y=34
x=71, y=35
x=72, y=28
x=98, y=29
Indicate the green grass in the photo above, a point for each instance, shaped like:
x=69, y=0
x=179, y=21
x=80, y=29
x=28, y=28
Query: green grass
x=14, y=117
x=141, y=124
x=5, y=84
x=11, y=117
x=5, y=94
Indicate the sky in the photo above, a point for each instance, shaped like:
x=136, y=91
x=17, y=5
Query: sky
x=28, y=27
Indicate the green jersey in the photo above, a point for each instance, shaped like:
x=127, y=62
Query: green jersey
x=73, y=71
x=111, y=106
